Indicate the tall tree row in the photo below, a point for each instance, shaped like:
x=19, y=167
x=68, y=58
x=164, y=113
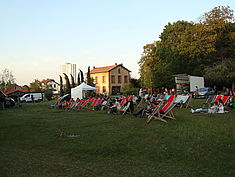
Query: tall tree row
x=198, y=48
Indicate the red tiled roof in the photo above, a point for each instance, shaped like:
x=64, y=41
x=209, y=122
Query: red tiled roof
x=104, y=69
x=11, y=91
x=47, y=80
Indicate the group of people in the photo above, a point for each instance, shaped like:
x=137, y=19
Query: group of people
x=216, y=107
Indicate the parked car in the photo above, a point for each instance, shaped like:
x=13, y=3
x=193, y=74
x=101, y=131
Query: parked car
x=65, y=97
x=32, y=97
x=204, y=92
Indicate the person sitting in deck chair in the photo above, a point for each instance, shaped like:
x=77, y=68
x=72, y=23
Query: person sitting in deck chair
x=114, y=108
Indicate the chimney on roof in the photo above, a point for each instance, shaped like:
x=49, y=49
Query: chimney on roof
x=93, y=67
x=115, y=63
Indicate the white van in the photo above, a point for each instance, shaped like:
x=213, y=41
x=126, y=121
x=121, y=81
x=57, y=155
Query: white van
x=32, y=97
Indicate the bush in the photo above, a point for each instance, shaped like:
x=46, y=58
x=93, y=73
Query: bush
x=48, y=94
x=128, y=90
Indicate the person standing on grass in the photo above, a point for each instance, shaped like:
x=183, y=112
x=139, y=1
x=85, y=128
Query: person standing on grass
x=32, y=98
x=196, y=93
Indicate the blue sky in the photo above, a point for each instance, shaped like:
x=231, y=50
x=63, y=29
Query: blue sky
x=36, y=37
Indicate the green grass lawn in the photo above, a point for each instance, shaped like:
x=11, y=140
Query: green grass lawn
x=113, y=145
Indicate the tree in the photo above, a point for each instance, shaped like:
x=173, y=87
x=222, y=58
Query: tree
x=67, y=84
x=82, y=77
x=61, y=87
x=72, y=81
x=192, y=48
x=78, y=81
x=88, y=76
x=48, y=94
x=35, y=86
x=6, y=78
x=222, y=73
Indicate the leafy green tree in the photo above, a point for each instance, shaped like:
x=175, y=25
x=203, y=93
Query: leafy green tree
x=35, y=86
x=48, y=94
x=187, y=47
x=222, y=74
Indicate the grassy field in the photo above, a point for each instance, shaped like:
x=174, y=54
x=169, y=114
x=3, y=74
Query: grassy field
x=113, y=145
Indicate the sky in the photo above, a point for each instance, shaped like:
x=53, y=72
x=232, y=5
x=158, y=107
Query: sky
x=37, y=36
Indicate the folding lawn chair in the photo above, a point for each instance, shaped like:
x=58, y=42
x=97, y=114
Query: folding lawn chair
x=125, y=108
x=165, y=111
x=225, y=99
x=216, y=100
x=210, y=99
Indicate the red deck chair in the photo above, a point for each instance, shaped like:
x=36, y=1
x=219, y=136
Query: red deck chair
x=85, y=103
x=170, y=99
x=167, y=109
x=122, y=102
x=225, y=99
x=217, y=98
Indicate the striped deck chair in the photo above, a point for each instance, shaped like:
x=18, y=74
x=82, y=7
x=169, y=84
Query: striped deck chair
x=167, y=112
x=122, y=102
x=155, y=111
x=85, y=103
x=217, y=98
x=225, y=99
x=125, y=108
x=79, y=104
x=181, y=100
x=170, y=98
x=71, y=105
x=210, y=99
x=186, y=101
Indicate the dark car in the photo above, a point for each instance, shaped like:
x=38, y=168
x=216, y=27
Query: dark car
x=204, y=92
x=10, y=102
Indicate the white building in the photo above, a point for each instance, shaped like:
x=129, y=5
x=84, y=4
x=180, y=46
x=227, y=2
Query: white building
x=68, y=69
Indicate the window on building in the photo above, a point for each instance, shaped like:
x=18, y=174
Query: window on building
x=104, y=89
x=96, y=79
x=119, y=71
x=119, y=79
x=125, y=79
x=54, y=85
x=112, y=79
x=103, y=79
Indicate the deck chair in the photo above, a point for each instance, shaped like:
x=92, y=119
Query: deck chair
x=122, y=102
x=85, y=103
x=210, y=99
x=171, y=98
x=186, y=101
x=125, y=108
x=167, y=109
x=182, y=100
x=217, y=98
x=225, y=99
x=155, y=111
x=161, y=98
